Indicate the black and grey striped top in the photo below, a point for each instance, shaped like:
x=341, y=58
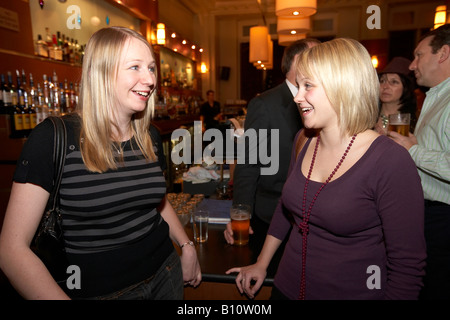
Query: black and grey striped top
x=109, y=210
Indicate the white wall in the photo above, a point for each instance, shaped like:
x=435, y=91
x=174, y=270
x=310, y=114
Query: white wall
x=54, y=16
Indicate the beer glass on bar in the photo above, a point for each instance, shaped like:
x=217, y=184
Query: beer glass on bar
x=200, y=219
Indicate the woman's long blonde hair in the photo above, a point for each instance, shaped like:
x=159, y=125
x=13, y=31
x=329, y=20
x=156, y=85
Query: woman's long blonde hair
x=97, y=100
x=344, y=68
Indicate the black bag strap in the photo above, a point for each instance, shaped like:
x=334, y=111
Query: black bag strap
x=59, y=156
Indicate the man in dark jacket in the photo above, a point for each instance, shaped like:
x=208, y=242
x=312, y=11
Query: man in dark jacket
x=273, y=109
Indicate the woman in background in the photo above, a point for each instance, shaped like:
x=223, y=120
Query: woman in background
x=397, y=93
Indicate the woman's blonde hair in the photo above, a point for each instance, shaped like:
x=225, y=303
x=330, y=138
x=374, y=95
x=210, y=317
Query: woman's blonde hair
x=98, y=100
x=344, y=68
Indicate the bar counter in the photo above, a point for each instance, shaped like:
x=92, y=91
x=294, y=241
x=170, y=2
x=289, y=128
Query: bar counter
x=217, y=256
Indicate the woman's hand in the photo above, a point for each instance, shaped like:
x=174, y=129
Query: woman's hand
x=192, y=275
x=255, y=272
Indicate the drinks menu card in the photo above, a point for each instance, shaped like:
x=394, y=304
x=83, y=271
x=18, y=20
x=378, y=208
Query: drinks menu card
x=219, y=210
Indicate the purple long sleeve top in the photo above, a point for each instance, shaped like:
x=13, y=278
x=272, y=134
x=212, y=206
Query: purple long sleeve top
x=366, y=232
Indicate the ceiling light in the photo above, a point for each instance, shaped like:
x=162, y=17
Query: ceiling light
x=299, y=8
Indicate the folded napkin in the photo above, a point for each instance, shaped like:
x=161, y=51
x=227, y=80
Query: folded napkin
x=200, y=175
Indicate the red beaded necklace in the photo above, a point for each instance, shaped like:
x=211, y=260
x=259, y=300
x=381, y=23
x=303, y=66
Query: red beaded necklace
x=303, y=226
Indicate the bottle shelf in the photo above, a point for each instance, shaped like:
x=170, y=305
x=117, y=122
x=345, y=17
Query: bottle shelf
x=38, y=58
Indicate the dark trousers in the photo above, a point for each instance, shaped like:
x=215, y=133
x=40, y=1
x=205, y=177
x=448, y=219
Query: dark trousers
x=437, y=236
x=165, y=284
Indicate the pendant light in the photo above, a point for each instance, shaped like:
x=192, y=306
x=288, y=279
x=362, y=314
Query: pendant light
x=295, y=8
x=293, y=25
x=161, y=34
x=266, y=64
x=440, y=16
x=203, y=68
x=259, y=46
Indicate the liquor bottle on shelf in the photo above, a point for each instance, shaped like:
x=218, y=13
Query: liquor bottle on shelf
x=48, y=37
x=55, y=106
x=26, y=89
x=17, y=130
x=32, y=103
x=72, y=100
x=65, y=48
x=33, y=116
x=62, y=100
x=76, y=94
x=7, y=100
x=60, y=47
x=20, y=90
x=58, y=54
x=82, y=53
x=17, y=121
x=45, y=106
x=20, y=108
x=50, y=44
x=51, y=95
x=67, y=97
x=41, y=47
x=77, y=58
x=40, y=110
x=72, y=51
x=26, y=121
x=12, y=90
x=45, y=89
x=32, y=91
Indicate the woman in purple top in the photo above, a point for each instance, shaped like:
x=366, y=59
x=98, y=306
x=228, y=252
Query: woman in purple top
x=352, y=205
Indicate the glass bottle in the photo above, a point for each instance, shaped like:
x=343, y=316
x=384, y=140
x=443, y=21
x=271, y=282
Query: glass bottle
x=58, y=47
x=12, y=90
x=32, y=106
x=20, y=107
x=26, y=90
x=46, y=98
x=67, y=97
x=62, y=100
x=39, y=104
x=55, y=108
x=20, y=90
x=7, y=101
x=41, y=47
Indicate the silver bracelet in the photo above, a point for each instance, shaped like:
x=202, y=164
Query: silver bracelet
x=189, y=243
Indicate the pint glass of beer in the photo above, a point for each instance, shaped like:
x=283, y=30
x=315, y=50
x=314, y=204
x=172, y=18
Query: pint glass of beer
x=400, y=123
x=200, y=219
x=240, y=223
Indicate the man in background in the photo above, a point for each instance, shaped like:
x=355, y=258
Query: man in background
x=429, y=147
x=273, y=109
x=210, y=114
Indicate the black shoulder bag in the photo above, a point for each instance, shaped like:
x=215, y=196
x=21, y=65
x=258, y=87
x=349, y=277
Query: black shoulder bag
x=48, y=242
